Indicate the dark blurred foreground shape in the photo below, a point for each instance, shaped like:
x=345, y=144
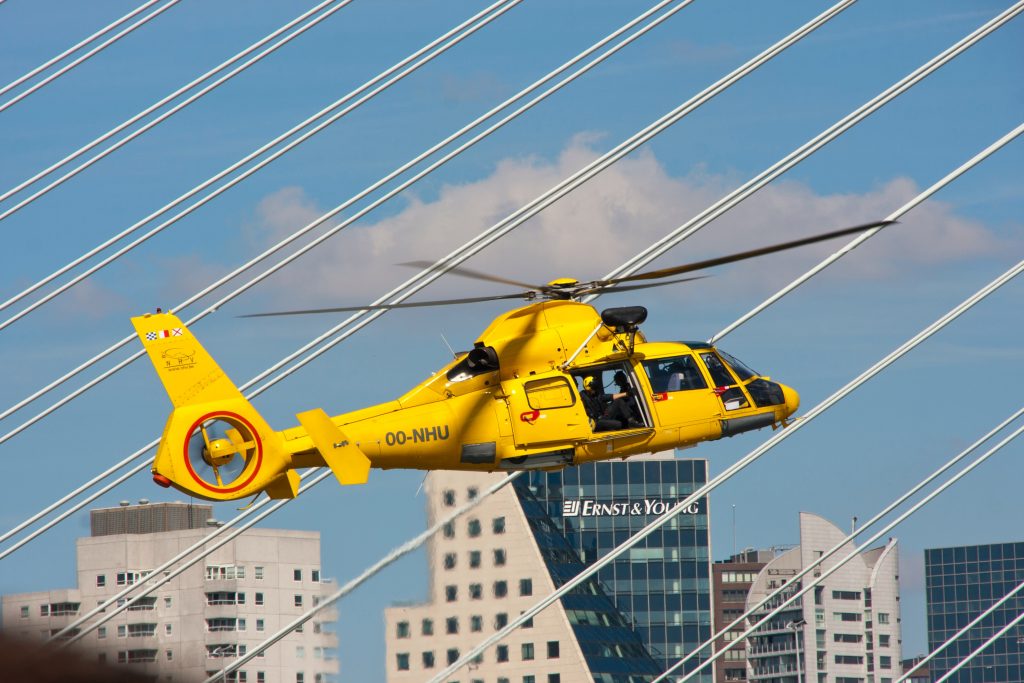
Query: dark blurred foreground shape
x=24, y=661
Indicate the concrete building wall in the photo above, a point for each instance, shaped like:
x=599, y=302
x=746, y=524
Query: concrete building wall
x=265, y=579
x=547, y=650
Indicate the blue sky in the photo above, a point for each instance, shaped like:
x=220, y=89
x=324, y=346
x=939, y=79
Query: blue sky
x=851, y=461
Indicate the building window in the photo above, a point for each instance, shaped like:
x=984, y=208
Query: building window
x=449, y=498
x=476, y=591
x=259, y=598
x=499, y=557
x=122, y=631
x=474, y=528
x=554, y=678
x=170, y=655
x=498, y=525
x=168, y=629
x=453, y=655
x=402, y=661
x=527, y=651
x=24, y=611
x=298, y=600
x=258, y=571
x=528, y=623
x=526, y=586
x=449, y=530
x=846, y=616
x=259, y=625
x=402, y=629
x=428, y=660
x=300, y=652
x=315, y=575
x=553, y=650
x=501, y=653
x=883, y=617
x=427, y=627
x=503, y=680
x=449, y=561
x=297, y=575
x=451, y=625
x=476, y=623
x=885, y=662
x=300, y=677
x=849, y=659
x=883, y=640
x=472, y=492
x=451, y=593
x=167, y=601
x=474, y=559
x=44, y=610
x=500, y=621
x=529, y=679
x=101, y=580
x=241, y=599
x=261, y=677
x=845, y=595
x=101, y=632
x=500, y=589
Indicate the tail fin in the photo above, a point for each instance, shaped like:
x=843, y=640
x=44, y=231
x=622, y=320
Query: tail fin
x=215, y=445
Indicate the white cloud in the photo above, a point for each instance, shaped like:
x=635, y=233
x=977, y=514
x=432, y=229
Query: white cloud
x=608, y=220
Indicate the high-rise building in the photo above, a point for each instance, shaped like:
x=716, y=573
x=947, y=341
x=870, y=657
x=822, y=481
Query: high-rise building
x=961, y=583
x=921, y=674
x=195, y=624
x=642, y=613
x=847, y=630
x=731, y=581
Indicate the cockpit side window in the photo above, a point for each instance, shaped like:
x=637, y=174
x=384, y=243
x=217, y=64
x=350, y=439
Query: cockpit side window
x=679, y=373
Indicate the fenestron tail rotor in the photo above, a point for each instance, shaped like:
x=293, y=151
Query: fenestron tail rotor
x=218, y=451
x=566, y=289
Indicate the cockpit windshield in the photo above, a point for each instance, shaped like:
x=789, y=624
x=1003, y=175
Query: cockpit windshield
x=741, y=370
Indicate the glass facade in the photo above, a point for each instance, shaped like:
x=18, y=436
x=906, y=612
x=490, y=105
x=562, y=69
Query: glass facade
x=962, y=583
x=660, y=588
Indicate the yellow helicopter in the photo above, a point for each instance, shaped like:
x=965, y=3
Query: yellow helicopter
x=528, y=395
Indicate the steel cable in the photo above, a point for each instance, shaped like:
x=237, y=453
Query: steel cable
x=71, y=65
x=76, y=47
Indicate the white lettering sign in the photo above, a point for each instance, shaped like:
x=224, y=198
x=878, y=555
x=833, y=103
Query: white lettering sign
x=593, y=508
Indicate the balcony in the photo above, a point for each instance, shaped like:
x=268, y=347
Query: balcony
x=758, y=672
x=772, y=649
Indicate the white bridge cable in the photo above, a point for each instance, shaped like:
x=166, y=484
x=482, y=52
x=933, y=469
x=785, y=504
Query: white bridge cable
x=75, y=62
x=171, y=568
x=170, y=112
x=792, y=596
x=143, y=450
x=736, y=467
x=223, y=280
x=981, y=648
x=150, y=109
x=432, y=46
x=369, y=572
x=76, y=47
x=953, y=638
x=808, y=148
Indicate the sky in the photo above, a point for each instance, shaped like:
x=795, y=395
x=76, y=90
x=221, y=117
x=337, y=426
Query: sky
x=851, y=461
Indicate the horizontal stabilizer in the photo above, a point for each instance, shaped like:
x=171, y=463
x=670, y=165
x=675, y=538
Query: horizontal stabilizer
x=349, y=464
x=285, y=485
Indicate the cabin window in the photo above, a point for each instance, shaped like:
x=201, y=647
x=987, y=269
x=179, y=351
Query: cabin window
x=679, y=373
x=548, y=393
x=732, y=397
x=740, y=368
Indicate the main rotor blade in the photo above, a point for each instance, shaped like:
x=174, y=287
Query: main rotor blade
x=732, y=258
x=386, y=307
x=476, y=275
x=611, y=289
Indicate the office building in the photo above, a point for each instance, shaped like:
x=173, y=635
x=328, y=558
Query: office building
x=846, y=630
x=201, y=620
x=731, y=581
x=643, y=612
x=961, y=583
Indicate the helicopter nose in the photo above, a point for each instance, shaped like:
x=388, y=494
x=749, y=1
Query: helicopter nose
x=792, y=399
